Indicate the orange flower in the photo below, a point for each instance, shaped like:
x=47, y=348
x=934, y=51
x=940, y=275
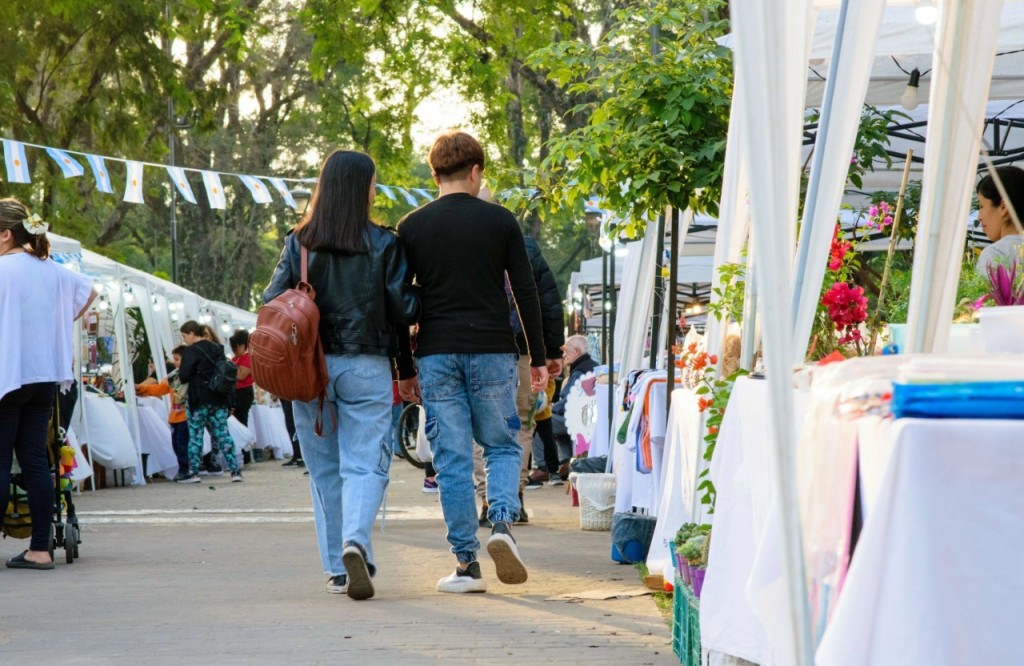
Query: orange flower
x=714, y=359
x=712, y=430
x=703, y=404
x=692, y=348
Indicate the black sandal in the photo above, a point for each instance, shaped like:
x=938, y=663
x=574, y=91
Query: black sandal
x=19, y=562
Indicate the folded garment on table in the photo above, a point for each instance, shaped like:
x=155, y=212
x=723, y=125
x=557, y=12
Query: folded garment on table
x=968, y=400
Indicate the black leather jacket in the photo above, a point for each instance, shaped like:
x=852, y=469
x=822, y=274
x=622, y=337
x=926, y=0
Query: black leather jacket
x=366, y=302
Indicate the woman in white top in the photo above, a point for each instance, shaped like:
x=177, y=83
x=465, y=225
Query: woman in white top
x=39, y=301
x=994, y=215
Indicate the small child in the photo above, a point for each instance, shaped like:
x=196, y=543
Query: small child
x=177, y=418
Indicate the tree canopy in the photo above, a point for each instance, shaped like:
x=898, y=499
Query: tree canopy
x=564, y=95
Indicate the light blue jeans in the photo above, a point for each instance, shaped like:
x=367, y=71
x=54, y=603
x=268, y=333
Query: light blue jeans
x=348, y=466
x=467, y=397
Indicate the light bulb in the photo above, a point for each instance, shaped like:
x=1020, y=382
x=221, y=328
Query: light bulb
x=909, y=99
x=926, y=13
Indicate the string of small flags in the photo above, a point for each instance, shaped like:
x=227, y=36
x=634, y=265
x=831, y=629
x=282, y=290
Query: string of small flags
x=16, y=162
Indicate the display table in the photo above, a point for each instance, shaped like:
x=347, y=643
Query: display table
x=268, y=429
x=155, y=440
x=936, y=577
x=106, y=433
x=742, y=474
x=679, y=466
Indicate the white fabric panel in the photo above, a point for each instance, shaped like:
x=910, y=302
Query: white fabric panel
x=106, y=433
x=837, y=132
x=912, y=598
x=144, y=301
x=962, y=67
x=771, y=52
x=155, y=440
x=733, y=216
x=728, y=623
x=268, y=429
x=679, y=466
x=635, y=300
x=117, y=303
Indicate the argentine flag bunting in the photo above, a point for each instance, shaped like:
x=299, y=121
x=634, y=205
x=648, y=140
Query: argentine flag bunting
x=67, y=164
x=408, y=197
x=214, y=190
x=99, y=172
x=177, y=175
x=133, y=184
x=17, y=163
x=423, y=193
x=387, y=191
x=260, y=193
x=283, y=190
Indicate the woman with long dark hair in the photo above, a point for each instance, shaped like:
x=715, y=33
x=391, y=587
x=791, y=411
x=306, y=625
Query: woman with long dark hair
x=996, y=221
x=39, y=301
x=359, y=272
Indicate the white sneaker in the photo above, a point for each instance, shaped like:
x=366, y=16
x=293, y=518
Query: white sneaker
x=337, y=584
x=463, y=580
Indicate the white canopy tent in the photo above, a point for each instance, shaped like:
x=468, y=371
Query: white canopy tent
x=772, y=48
x=162, y=305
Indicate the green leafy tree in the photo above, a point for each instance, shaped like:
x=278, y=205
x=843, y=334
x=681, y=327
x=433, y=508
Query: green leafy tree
x=656, y=125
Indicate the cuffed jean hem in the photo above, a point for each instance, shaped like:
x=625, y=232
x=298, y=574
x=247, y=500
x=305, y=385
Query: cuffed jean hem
x=466, y=558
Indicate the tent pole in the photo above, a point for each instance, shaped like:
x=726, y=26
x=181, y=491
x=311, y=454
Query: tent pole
x=659, y=292
x=604, y=307
x=611, y=343
x=817, y=164
x=670, y=324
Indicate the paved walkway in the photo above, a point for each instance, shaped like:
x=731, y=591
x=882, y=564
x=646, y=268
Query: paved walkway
x=229, y=574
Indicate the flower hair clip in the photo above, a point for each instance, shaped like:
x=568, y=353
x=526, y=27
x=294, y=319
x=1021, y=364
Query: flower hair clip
x=35, y=225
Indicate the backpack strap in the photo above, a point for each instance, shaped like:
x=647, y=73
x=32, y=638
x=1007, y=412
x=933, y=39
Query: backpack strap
x=303, y=263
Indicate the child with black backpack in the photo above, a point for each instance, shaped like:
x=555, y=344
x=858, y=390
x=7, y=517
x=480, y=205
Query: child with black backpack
x=211, y=385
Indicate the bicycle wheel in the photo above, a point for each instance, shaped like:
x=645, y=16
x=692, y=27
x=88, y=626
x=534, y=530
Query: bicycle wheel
x=407, y=430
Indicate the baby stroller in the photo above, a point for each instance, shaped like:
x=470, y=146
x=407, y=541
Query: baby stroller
x=64, y=531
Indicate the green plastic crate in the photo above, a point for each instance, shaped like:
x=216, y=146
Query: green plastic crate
x=685, y=624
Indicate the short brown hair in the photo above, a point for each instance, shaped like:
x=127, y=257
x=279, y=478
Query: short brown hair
x=453, y=155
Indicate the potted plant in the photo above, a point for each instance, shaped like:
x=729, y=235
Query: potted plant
x=682, y=536
x=1001, y=325
x=691, y=551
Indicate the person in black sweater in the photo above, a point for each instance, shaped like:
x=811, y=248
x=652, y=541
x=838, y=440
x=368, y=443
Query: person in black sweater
x=460, y=249
x=206, y=409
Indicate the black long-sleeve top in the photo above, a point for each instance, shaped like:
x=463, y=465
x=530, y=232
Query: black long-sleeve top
x=459, y=249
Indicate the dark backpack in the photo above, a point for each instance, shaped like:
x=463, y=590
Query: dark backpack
x=225, y=376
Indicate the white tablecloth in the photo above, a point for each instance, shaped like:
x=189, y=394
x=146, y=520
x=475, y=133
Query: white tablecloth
x=106, y=434
x=267, y=426
x=678, y=472
x=743, y=480
x=155, y=441
x=936, y=578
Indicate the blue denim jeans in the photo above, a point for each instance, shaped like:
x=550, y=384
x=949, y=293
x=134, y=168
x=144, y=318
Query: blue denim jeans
x=348, y=466
x=467, y=397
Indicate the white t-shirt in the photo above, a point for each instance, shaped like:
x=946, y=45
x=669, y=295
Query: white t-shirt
x=1003, y=251
x=38, y=304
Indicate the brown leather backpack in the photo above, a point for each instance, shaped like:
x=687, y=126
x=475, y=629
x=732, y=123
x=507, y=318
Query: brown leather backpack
x=287, y=356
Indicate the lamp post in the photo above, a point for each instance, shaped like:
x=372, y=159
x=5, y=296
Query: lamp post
x=302, y=197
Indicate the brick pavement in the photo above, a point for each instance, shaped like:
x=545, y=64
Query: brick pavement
x=228, y=574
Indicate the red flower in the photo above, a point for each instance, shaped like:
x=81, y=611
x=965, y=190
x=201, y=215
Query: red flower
x=712, y=430
x=838, y=251
x=703, y=404
x=714, y=359
x=847, y=307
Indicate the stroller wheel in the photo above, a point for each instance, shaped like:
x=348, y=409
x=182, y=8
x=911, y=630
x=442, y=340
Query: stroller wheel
x=52, y=541
x=75, y=540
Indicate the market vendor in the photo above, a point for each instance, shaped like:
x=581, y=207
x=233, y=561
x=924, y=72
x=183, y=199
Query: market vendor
x=996, y=221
